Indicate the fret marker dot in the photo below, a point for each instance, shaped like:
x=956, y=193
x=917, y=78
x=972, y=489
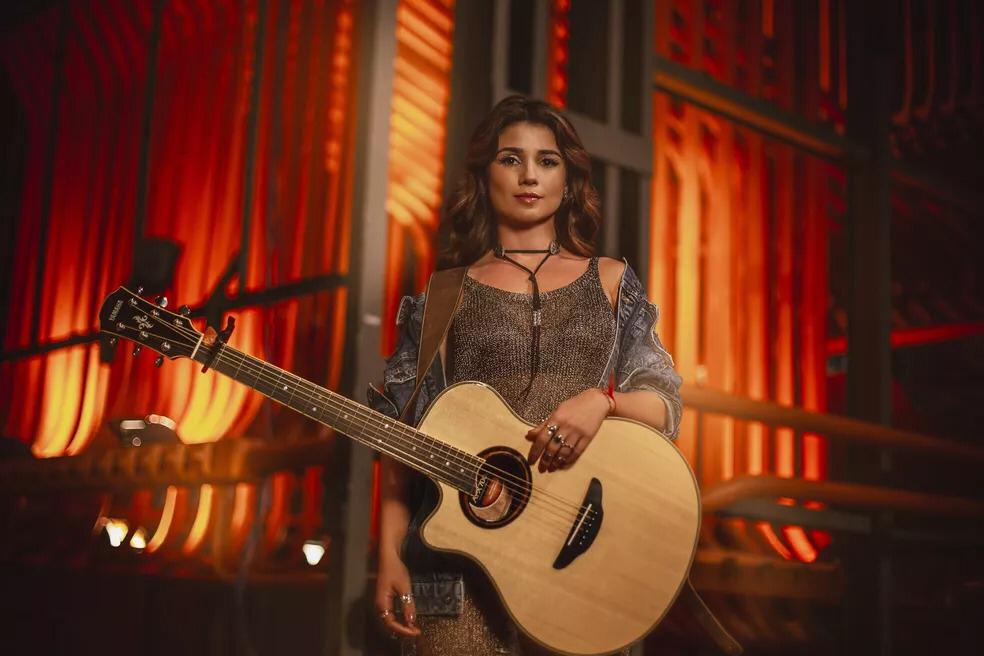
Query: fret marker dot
x=313, y=409
x=447, y=462
x=285, y=388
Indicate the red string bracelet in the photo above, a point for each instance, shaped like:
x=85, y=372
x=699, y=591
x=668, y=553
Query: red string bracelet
x=610, y=393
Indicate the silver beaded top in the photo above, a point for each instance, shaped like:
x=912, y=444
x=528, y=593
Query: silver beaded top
x=490, y=339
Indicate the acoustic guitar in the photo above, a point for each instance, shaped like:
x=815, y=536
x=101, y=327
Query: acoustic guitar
x=586, y=560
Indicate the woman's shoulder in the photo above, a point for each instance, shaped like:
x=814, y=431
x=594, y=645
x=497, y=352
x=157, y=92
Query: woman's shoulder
x=611, y=272
x=611, y=268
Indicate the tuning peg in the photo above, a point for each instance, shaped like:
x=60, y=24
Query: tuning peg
x=140, y=290
x=161, y=301
x=159, y=361
x=136, y=350
x=184, y=311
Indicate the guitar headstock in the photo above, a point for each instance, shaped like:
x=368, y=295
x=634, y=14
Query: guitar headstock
x=128, y=316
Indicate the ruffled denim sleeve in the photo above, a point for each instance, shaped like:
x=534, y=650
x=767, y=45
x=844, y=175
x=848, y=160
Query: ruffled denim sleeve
x=643, y=362
x=400, y=374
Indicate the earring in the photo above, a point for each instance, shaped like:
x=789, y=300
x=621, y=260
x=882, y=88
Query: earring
x=567, y=194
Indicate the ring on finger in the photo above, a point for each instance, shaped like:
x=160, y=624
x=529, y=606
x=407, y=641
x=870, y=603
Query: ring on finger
x=383, y=614
x=552, y=429
x=406, y=598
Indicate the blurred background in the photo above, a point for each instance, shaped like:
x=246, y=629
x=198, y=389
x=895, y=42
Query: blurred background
x=797, y=182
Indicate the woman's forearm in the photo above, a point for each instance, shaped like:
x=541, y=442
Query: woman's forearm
x=642, y=405
x=394, y=513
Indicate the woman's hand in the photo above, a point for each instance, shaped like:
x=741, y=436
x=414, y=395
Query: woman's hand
x=393, y=590
x=563, y=436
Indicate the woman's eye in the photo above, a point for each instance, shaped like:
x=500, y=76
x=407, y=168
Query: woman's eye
x=508, y=160
x=549, y=162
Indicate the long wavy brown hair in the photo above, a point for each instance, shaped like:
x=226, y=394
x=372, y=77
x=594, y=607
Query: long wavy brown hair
x=468, y=228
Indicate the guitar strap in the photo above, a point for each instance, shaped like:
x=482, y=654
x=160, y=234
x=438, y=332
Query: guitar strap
x=444, y=292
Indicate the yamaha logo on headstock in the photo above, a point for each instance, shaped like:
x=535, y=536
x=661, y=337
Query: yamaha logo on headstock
x=116, y=310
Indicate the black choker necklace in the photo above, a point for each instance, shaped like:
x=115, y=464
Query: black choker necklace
x=552, y=249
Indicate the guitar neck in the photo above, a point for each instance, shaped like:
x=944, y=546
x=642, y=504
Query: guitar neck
x=373, y=429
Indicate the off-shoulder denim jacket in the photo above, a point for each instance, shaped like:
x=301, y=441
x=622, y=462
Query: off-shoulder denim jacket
x=638, y=359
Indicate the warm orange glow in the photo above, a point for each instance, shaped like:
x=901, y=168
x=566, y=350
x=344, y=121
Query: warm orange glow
x=116, y=530
x=95, y=386
x=63, y=389
x=200, y=526
x=557, y=56
x=421, y=89
x=242, y=500
x=841, y=55
x=800, y=542
x=738, y=242
x=824, y=43
x=139, y=538
x=164, y=525
x=765, y=530
x=768, y=18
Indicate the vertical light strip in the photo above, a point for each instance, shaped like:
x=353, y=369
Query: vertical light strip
x=800, y=542
x=558, y=53
x=823, y=55
x=765, y=530
x=421, y=90
x=164, y=525
x=200, y=526
x=768, y=18
x=842, y=54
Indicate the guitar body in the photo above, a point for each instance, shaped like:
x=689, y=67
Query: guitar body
x=637, y=555
x=587, y=560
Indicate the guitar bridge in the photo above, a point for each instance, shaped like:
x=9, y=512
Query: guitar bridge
x=585, y=527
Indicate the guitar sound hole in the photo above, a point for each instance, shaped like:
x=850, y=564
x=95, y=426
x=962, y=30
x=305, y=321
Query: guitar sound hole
x=502, y=491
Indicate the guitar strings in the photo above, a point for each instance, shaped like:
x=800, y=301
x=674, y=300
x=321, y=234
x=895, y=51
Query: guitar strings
x=524, y=489
x=565, y=515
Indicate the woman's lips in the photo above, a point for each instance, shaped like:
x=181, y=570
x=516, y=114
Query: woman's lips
x=528, y=198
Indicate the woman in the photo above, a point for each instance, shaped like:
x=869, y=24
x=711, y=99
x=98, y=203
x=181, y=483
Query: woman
x=541, y=321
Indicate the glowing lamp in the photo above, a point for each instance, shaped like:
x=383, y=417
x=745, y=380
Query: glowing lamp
x=116, y=530
x=139, y=539
x=314, y=551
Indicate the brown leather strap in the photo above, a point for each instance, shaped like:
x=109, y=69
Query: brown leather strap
x=714, y=629
x=440, y=303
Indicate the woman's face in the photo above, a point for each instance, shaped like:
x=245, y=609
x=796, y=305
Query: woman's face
x=527, y=176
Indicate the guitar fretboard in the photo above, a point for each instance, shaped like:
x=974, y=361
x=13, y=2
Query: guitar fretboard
x=425, y=454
